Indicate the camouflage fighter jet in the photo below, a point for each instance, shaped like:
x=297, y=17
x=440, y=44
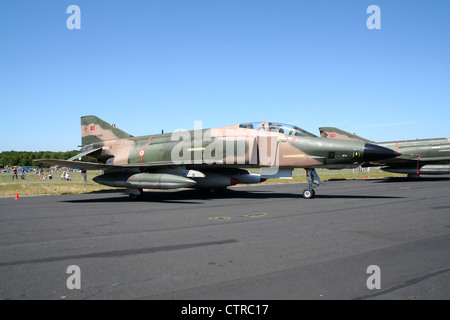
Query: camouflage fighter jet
x=212, y=158
x=418, y=157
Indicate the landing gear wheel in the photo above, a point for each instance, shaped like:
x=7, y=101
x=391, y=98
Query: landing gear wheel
x=309, y=193
x=313, y=180
x=137, y=196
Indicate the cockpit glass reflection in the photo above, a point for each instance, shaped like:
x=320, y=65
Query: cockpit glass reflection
x=277, y=127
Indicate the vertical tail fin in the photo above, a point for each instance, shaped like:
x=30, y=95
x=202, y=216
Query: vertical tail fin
x=95, y=130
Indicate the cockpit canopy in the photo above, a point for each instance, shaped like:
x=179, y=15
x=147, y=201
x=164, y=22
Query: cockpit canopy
x=277, y=127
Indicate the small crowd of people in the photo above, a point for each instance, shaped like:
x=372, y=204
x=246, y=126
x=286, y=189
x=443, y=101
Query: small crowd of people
x=65, y=175
x=22, y=173
x=362, y=170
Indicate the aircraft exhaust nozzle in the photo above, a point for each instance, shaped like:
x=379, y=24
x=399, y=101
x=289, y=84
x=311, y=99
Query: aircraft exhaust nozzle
x=373, y=152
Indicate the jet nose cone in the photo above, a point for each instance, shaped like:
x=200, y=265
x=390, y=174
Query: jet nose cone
x=373, y=152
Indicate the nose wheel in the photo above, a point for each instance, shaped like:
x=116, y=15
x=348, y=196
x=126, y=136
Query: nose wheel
x=313, y=181
x=309, y=193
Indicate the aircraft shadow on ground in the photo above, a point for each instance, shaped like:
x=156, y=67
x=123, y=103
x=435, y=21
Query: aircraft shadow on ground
x=346, y=196
x=196, y=197
x=412, y=179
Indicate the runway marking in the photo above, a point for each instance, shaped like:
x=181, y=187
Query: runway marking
x=219, y=218
x=255, y=215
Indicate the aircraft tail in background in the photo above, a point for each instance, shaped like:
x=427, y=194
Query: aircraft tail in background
x=332, y=132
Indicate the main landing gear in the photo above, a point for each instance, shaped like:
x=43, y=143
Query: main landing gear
x=135, y=194
x=313, y=181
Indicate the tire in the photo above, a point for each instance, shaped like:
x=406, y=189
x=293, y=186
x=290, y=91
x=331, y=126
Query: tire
x=308, y=193
x=137, y=197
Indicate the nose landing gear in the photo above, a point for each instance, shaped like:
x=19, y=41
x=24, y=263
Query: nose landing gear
x=313, y=181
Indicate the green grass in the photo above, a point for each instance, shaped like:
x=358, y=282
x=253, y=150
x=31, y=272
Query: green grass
x=33, y=185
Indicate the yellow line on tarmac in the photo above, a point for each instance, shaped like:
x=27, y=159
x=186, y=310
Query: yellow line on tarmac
x=219, y=218
x=255, y=215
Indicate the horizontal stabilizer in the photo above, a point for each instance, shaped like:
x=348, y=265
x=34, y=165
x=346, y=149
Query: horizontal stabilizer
x=83, y=154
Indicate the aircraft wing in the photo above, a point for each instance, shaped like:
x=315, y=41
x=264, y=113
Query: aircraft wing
x=77, y=164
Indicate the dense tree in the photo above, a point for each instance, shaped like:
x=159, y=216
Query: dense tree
x=25, y=158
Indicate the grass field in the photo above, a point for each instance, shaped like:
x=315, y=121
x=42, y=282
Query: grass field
x=32, y=185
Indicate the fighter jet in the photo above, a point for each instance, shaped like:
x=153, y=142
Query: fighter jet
x=418, y=157
x=214, y=158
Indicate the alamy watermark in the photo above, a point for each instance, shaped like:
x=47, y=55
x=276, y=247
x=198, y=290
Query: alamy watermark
x=74, y=20
x=74, y=280
x=224, y=146
x=374, y=280
x=374, y=21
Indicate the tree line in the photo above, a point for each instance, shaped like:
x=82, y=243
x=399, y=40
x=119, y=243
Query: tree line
x=25, y=158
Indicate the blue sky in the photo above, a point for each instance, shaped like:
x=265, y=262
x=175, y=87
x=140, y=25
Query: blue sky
x=163, y=64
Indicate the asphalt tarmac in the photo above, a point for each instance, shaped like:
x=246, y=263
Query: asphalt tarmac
x=255, y=242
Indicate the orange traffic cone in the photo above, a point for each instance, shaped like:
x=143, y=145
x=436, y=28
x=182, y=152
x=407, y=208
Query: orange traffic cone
x=17, y=196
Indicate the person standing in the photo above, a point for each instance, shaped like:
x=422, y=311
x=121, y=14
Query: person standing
x=15, y=173
x=83, y=175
